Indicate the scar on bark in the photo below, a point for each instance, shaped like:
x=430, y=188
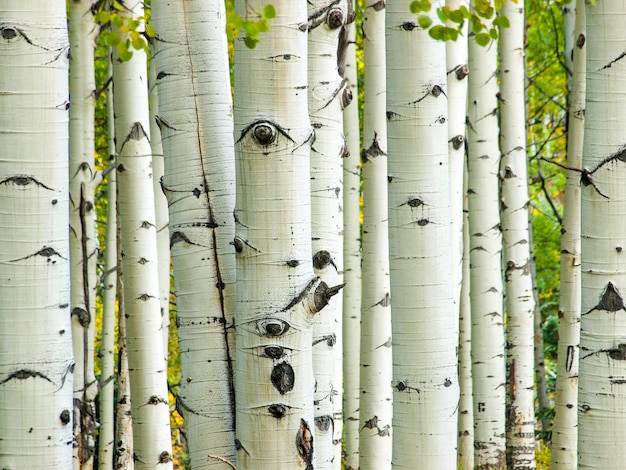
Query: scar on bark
x=321, y=295
x=330, y=340
x=610, y=301
x=324, y=422
x=23, y=374
x=373, y=150
x=511, y=266
x=264, y=132
x=304, y=444
x=372, y=423
x=24, y=180
x=618, y=58
x=46, y=252
x=328, y=14
x=283, y=377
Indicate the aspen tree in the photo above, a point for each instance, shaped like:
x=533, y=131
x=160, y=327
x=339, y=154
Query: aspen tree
x=195, y=116
x=424, y=318
x=565, y=429
x=36, y=363
x=602, y=376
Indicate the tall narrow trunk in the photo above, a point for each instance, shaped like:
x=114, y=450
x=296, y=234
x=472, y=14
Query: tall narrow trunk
x=277, y=292
x=106, y=436
x=488, y=371
x=352, y=259
x=196, y=122
x=515, y=203
x=325, y=91
x=602, y=378
x=36, y=364
x=148, y=376
x=83, y=251
x=375, y=408
x=424, y=319
x=565, y=427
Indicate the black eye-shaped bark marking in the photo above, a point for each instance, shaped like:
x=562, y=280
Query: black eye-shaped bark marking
x=274, y=352
x=334, y=19
x=272, y=327
x=321, y=259
x=304, y=444
x=11, y=33
x=264, y=132
x=457, y=141
x=64, y=417
x=277, y=410
x=408, y=26
x=324, y=422
x=283, y=377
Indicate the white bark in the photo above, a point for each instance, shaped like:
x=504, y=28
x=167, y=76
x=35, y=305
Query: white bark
x=148, y=376
x=352, y=262
x=602, y=376
x=488, y=371
x=424, y=319
x=109, y=286
x=565, y=429
x=325, y=91
x=375, y=443
x=36, y=362
x=457, y=70
x=195, y=116
x=83, y=251
x=466, y=403
x=277, y=292
x=160, y=209
x=515, y=203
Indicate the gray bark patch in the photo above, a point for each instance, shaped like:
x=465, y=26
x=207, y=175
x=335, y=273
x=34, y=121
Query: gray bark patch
x=611, y=299
x=323, y=423
x=277, y=410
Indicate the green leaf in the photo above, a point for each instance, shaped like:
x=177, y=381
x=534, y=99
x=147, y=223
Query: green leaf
x=102, y=17
x=502, y=22
x=112, y=39
x=269, y=12
x=124, y=54
x=424, y=21
x=263, y=26
x=456, y=16
x=477, y=25
x=419, y=6
x=442, y=15
x=437, y=32
x=150, y=31
x=482, y=39
x=250, y=42
x=493, y=32
x=453, y=34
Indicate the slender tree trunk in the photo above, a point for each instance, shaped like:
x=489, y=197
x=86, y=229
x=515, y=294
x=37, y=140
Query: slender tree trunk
x=375, y=408
x=601, y=393
x=196, y=121
x=424, y=318
x=36, y=364
x=83, y=251
x=466, y=405
x=325, y=91
x=148, y=376
x=565, y=427
x=352, y=260
x=160, y=208
x=277, y=292
x=106, y=430
x=515, y=203
x=488, y=371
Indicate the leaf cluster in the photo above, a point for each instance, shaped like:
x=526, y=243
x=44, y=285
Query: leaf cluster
x=125, y=33
x=452, y=21
x=235, y=24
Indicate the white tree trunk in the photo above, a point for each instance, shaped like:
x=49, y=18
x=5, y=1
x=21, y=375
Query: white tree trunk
x=325, y=91
x=565, y=429
x=277, y=292
x=83, y=251
x=352, y=262
x=515, y=203
x=602, y=376
x=488, y=371
x=106, y=434
x=424, y=319
x=160, y=208
x=196, y=120
x=375, y=443
x=148, y=376
x=36, y=365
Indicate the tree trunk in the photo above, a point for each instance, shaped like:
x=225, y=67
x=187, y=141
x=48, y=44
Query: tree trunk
x=83, y=251
x=424, y=318
x=36, y=364
x=515, y=202
x=565, y=427
x=277, y=292
x=352, y=260
x=488, y=371
x=196, y=121
x=601, y=392
x=106, y=436
x=148, y=376
x=375, y=443
x=325, y=91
